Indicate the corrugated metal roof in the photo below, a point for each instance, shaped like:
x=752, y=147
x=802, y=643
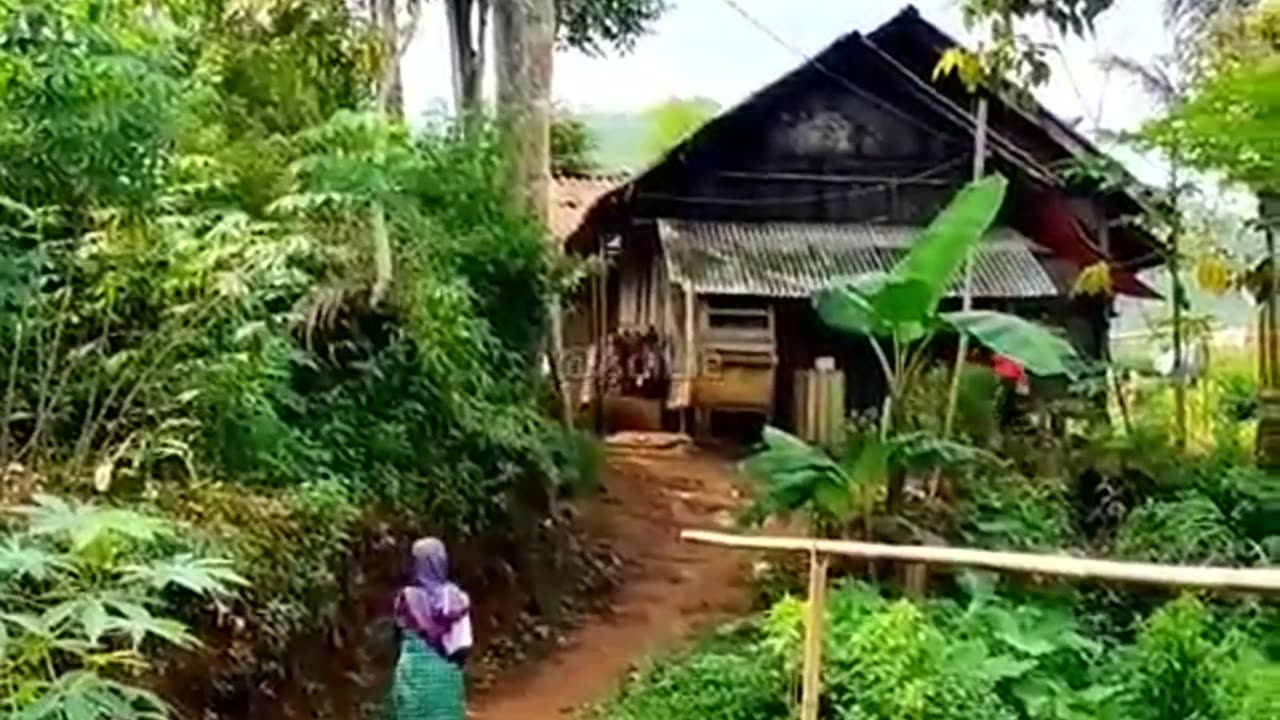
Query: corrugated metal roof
x=782, y=259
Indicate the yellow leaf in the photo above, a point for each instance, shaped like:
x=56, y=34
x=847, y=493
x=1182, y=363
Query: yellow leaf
x=1094, y=279
x=950, y=62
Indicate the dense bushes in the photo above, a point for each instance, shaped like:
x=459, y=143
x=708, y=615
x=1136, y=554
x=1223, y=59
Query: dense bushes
x=188, y=320
x=1018, y=647
x=986, y=657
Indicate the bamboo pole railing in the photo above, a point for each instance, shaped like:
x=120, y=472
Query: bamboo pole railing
x=1078, y=568
x=1209, y=578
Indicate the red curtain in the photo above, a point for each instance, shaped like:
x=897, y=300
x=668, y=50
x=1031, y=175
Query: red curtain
x=1060, y=231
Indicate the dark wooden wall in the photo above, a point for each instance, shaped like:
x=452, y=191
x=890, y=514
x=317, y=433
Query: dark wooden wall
x=810, y=149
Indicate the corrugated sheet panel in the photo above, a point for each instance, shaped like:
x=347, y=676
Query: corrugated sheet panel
x=796, y=259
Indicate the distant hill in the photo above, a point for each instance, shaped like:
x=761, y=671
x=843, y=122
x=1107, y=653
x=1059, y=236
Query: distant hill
x=621, y=139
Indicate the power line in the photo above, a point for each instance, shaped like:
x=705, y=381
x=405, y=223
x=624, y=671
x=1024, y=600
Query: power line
x=812, y=60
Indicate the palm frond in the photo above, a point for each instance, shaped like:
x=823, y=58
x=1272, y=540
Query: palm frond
x=1151, y=78
x=1193, y=17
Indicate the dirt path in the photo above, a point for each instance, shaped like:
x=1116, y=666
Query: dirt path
x=669, y=591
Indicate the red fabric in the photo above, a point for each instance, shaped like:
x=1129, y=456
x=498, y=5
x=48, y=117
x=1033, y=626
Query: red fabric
x=1008, y=369
x=1060, y=231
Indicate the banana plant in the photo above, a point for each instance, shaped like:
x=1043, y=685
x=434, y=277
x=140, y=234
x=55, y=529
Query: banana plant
x=798, y=478
x=902, y=306
x=899, y=313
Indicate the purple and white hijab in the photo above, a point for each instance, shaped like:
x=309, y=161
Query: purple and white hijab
x=432, y=607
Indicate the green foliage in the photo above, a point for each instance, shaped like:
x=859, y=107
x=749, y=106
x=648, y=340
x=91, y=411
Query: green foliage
x=673, y=121
x=1185, y=531
x=573, y=145
x=1007, y=55
x=1008, y=511
x=897, y=664
x=715, y=682
x=1176, y=667
x=91, y=95
x=591, y=25
x=1035, y=347
x=990, y=657
x=581, y=457
x=1227, y=123
x=185, y=315
x=83, y=589
x=793, y=475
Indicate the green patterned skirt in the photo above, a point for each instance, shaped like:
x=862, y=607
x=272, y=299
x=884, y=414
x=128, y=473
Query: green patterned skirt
x=427, y=687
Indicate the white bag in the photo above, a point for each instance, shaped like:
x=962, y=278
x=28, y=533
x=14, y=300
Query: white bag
x=458, y=637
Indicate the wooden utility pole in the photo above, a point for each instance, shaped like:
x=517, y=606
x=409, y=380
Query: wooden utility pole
x=1180, y=375
x=962, y=347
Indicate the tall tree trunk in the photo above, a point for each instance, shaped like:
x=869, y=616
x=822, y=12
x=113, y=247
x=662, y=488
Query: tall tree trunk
x=468, y=23
x=390, y=87
x=390, y=100
x=523, y=38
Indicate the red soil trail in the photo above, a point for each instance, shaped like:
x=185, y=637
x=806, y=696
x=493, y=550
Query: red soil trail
x=669, y=590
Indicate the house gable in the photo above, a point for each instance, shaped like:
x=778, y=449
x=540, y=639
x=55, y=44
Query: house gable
x=818, y=145
x=917, y=45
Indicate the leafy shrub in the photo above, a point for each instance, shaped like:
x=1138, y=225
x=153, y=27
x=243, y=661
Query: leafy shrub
x=1010, y=511
x=990, y=657
x=897, y=664
x=1176, y=669
x=726, y=679
x=83, y=592
x=581, y=457
x=1189, y=530
x=1238, y=394
x=978, y=401
x=1248, y=496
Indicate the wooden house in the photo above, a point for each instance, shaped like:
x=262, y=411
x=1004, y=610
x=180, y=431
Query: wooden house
x=714, y=251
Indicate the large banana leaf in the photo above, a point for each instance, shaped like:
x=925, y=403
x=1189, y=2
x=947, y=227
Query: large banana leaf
x=849, y=305
x=794, y=475
x=1032, y=345
x=938, y=252
x=902, y=304
x=918, y=451
x=875, y=305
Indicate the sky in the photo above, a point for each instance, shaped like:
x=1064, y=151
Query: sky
x=707, y=48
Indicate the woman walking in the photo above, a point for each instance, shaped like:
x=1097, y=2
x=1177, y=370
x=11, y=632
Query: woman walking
x=433, y=616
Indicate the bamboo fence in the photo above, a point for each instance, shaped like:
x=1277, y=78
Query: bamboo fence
x=1264, y=581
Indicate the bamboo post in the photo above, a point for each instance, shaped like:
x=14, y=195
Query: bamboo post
x=1257, y=580
x=1268, y=433
x=815, y=624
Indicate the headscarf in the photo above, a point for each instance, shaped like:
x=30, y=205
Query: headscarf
x=431, y=605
